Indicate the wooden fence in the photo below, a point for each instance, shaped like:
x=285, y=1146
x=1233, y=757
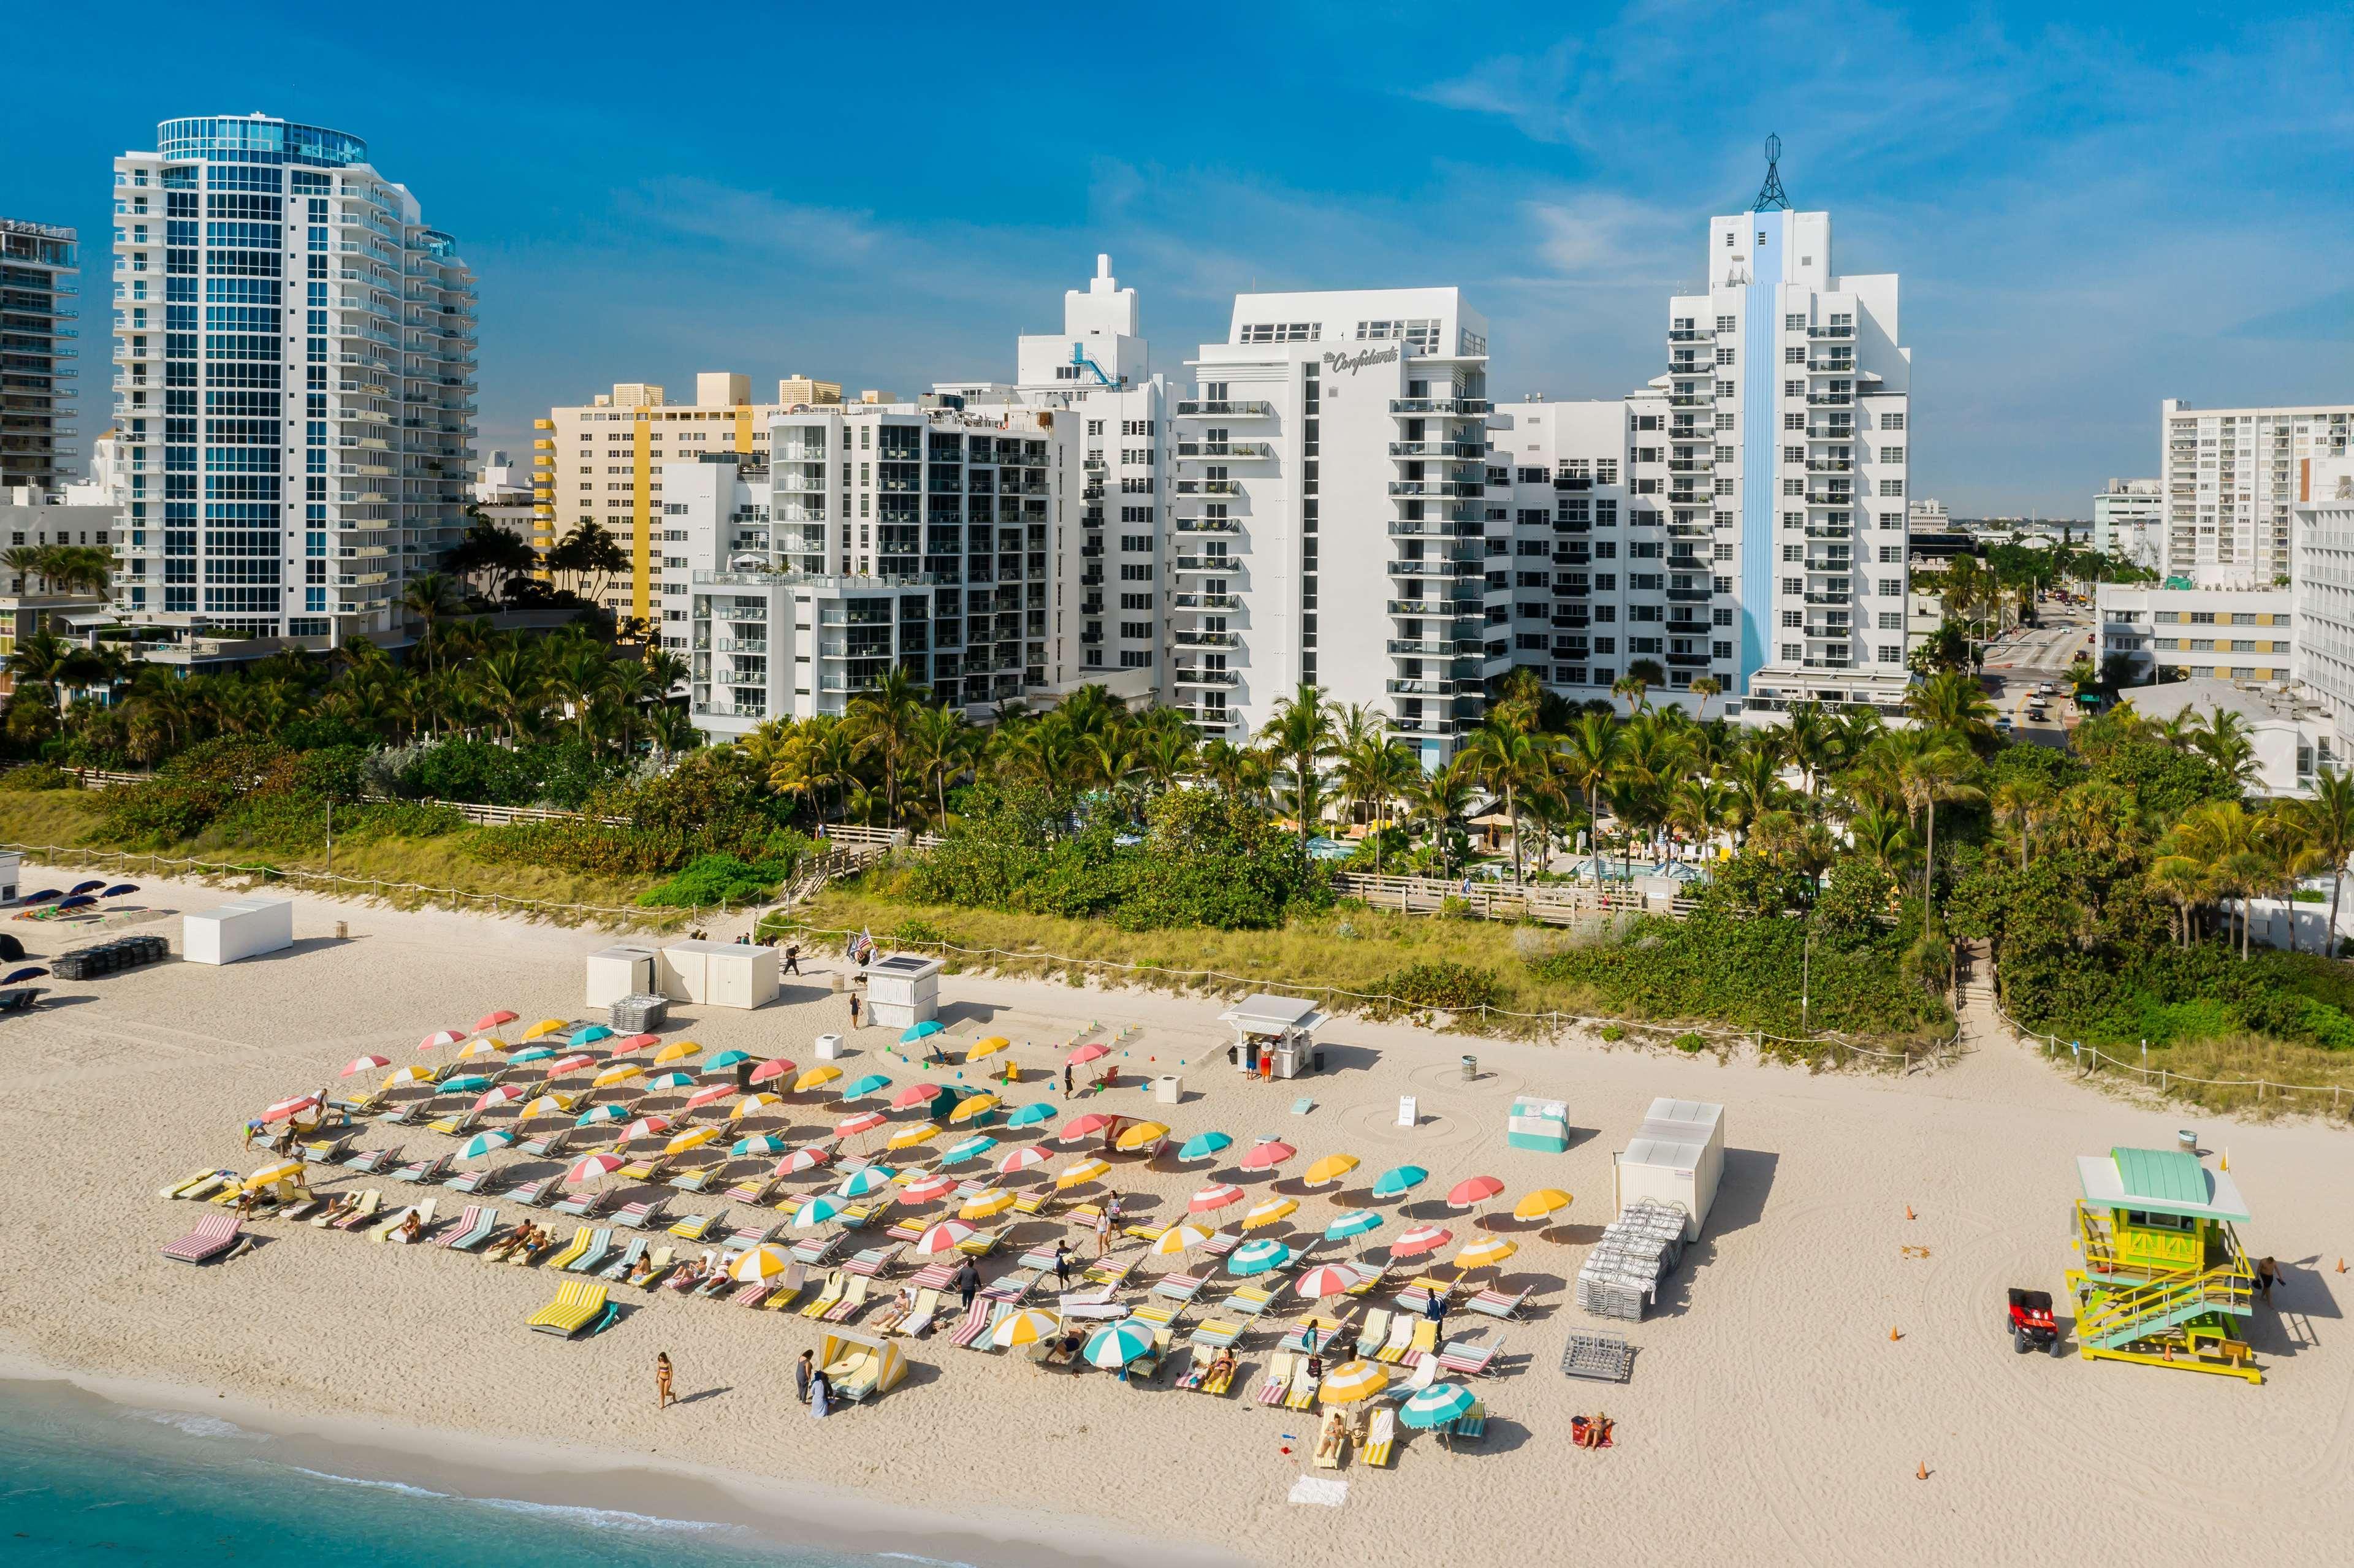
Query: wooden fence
x=1554, y=902
x=485, y=816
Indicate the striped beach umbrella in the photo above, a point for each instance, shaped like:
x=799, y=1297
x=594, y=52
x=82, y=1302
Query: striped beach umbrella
x=1080, y=1173
x=438, y=1038
x=1180, y=1238
x=1352, y=1380
x=927, y=1187
x=807, y=1157
x=1210, y=1200
x=1086, y=1054
x=1420, y=1240
x=694, y=1138
x=529, y=1054
x=917, y=1094
x=545, y=1104
x=1329, y=1279
x=676, y=1051
x=765, y=1261
x=1114, y=1345
x=1332, y=1168
x=590, y=1035
x=662, y=1083
x=1020, y=1160
x=965, y=1149
x=1270, y=1212
x=270, y=1174
x=504, y=1093
x=495, y=1043
x=1031, y=1115
x=1542, y=1202
x=596, y=1116
x=1258, y=1257
x=545, y=1026
x=1027, y=1326
x=1436, y=1405
x=492, y=1019
x=865, y=1179
x=1204, y=1146
x=775, y=1067
x=590, y=1167
x=1079, y=1128
x=464, y=1083
x=1398, y=1183
x=752, y=1103
x=908, y=1137
x=923, y=1030
x=482, y=1143
x=620, y=1074
x=296, y=1107
x=645, y=1127
x=1142, y=1134
x=1472, y=1192
x=1486, y=1253
x=633, y=1044
x=570, y=1062
x=761, y=1144
x=725, y=1060
x=815, y=1077
x=862, y=1121
x=819, y=1210
x=364, y=1063
x=974, y=1105
x=474, y=1048
x=711, y=1094
x=1355, y=1223
x=1267, y=1155
x=988, y=1047
x=986, y=1204
x=859, y=1088
x=946, y=1236
x=410, y=1074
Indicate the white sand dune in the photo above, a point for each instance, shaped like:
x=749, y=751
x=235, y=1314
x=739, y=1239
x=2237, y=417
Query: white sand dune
x=1770, y=1417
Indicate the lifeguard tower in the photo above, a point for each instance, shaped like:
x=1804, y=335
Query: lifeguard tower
x=2165, y=1281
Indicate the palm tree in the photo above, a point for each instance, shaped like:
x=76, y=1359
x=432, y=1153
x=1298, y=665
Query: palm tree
x=428, y=597
x=1952, y=703
x=1705, y=687
x=1810, y=740
x=2021, y=803
x=885, y=716
x=938, y=743
x=1440, y=799
x=1508, y=761
x=2185, y=883
x=1168, y=751
x=2327, y=820
x=1301, y=735
x=510, y=685
x=1924, y=768
x=1589, y=756
x=2223, y=738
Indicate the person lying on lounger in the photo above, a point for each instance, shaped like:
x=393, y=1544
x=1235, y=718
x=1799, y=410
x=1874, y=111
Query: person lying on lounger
x=1222, y=1370
x=411, y=1227
x=642, y=1273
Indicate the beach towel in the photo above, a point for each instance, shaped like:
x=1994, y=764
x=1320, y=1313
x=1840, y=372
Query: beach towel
x=1310, y=1489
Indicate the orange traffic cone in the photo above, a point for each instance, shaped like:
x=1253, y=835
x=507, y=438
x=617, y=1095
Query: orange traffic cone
x=1892, y=1334
x=2341, y=1266
x=2226, y=1162
x=1922, y=1473
x=1908, y=1211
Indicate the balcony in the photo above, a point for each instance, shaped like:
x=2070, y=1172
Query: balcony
x=1437, y=568
x=1441, y=407
x=1827, y=632
x=1203, y=600
x=1828, y=400
x=1438, y=489
x=1435, y=528
x=1206, y=450
x=1209, y=487
x=1208, y=718
x=1229, y=408
x=1830, y=563
x=1691, y=334
x=1192, y=675
x=1205, y=525
x=1833, y=331
x=1690, y=399
x=1464, y=452
x=1831, y=498
x=1689, y=661
x=1832, y=433
x=1690, y=595
x=1828, y=597
x=1208, y=563
x=1410, y=647
x=1189, y=638
x=1830, y=367
x=1413, y=687
x=1830, y=531
x=1826, y=465
x=1572, y=481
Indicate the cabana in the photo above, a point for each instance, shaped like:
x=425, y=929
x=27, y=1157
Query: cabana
x=1275, y=1036
x=2165, y=1280
x=859, y=1365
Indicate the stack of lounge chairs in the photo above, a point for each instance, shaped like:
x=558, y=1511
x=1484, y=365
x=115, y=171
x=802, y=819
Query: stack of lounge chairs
x=1620, y=1277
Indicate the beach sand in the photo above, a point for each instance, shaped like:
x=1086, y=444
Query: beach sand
x=1770, y=1416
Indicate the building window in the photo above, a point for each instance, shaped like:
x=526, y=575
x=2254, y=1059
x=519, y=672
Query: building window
x=1890, y=655
x=1892, y=487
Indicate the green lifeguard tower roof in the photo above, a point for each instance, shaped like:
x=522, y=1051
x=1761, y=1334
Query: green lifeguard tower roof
x=2160, y=1181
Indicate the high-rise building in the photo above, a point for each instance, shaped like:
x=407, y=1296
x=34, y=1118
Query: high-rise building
x=2129, y=520
x=2322, y=509
x=794, y=389
x=39, y=267
x=602, y=462
x=296, y=390
x=2230, y=479
x=1322, y=417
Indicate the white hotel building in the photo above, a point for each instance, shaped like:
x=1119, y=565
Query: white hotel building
x=2230, y=477
x=295, y=384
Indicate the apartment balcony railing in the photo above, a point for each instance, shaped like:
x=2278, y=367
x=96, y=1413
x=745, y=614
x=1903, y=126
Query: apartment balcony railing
x=1449, y=451
x=1831, y=332
x=1445, y=648
x=1207, y=718
x=1572, y=482
x=1203, y=600
x=1209, y=487
x=1193, y=675
x=1189, y=637
x=1207, y=450
x=1223, y=408
x=1437, y=609
x=1205, y=525
x=1189, y=564
x=1691, y=334
x=1441, y=489
x=1441, y=407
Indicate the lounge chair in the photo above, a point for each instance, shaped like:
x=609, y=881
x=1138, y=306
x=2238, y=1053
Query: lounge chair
x=1112, y=1271
x=375, y=1159
x=981, y=1244
x=1216, y=1333
x=424, y=1169
x=205, y=1180
x=921, y=1314
x=753, y=1192
x=534, y=1194
x=1332, y=1441
x=822, y=1302
x=389, y=1229
x=656, y=1169
x=873, y=1262
x=212, y=1236
x=1250, y=1300
x=907, y=1230
x=455, y=1126
x=581, y=1205
x=859, y=1377
x=578, y=1306
x=661, y=1265
x=1039, y=1202
x=1471, y=1426
x=1497, y=1304
x=855, y=1298
x=699, y=1179
x=814, y=1250
x=1038, y=1258
x=362, y=1213
x=719, y=1285
x=1471, y=1358
x=1330, y=1336
x=327, y=1150
x=1381, y=1437
x=472, y=1229
x=638, y=1217
x=548, y=1145
x=1277, y=1381
x=1423, y=1373
x=1179, y=1287
x=749, y=1236
x=1375, y=1332
x=693, y=1227
x=1215, y=1380
x=601, y=1247
x=1144, y=1233
x=1422, y=1340
x=582, y=1240
x=1220, y=1244
x=776, y=1291
x=1160, y=1314
x=402, y=1115
x=979, y=1319
x=480, y=1179
x=1304, y=1384
x=1376, y=1276
x=1012, y=1287
x=618, y=1267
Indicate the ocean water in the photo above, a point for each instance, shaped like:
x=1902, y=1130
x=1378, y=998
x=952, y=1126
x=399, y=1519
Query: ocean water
x=85, y=1482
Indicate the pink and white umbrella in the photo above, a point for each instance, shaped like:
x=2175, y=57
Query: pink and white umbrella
x=634, y=1042
x=808, y=1157
x=917, y=1094
x=503, y=1095
x=285, y=1109
x=774, y=1067
x=439, y=1037
x=1420, y=1240
x=1268, y=1155
x=946, y=1236
x=711, y=1095
x=1081, y=1128
x=1472, y=1192
x=1023, y=1159
x=1332, y=1279
x=366, y=1064
x=571, y=1064
x=925, y=1189
x=1211, y=1199
x=592, y=1167
x=645, y=1127
x=492, y=1019
x=865, y=1121
x=1086, y=1054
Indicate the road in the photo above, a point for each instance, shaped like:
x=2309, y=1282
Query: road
x=2033, y=655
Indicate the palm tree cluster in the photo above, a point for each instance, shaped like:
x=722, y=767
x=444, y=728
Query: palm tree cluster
x=2221, y=850
x=61, y=568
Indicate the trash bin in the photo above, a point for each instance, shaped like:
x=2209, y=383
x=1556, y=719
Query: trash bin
x=2187, y=1139
x=1470, y=1068
x=1168, y=1088
x=829, y=1047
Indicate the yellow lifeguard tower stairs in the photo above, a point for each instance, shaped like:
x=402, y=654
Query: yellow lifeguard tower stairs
x=2165, y=1281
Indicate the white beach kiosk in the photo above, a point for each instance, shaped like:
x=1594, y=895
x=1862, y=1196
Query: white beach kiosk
x=1676, y=1156
x=245, y=929
x=1275, y=1036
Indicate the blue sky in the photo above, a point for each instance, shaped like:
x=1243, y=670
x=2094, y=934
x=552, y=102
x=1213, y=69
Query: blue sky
x=2090, y=211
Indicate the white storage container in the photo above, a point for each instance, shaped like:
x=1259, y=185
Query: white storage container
x=240, y=930
x=903, y=990
x=616, y=972
x=1676, y=1156
x=740, y=974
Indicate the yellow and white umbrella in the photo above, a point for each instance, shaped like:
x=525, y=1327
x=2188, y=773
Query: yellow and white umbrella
x=813, y=1078
x=1081, y=1173
x=762, y=1261
x=546, y=1104
x=908, y=1137
x=972, y=1106
x=621, y=1072
x=409, y=1074
x=988, y=1047
x=1268, y=1213
x=693, y=1140
x=1142, y=1135
x=270, y=1175
x=986, y=1205
x=1486, y=1253
x=753, y=1103
x=1027, y=1326
x=1177, y=1238
x=1353, y=1381
x=1541, y=1203
x=676, y=1051
x=545, y=1026
x=474, y=1048
x=1332, y=1168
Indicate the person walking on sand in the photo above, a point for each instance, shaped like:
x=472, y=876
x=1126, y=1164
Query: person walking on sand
x=665, y=1397
x=803, y=1369
x=1063, y=1266
x=854, y=1010
x=793, y=960
x=968, y=1282
x=1067, y=1082
x=2268, y=1273
x=1103, y=1232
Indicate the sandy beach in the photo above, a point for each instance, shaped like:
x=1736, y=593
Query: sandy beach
x=1770, y=1416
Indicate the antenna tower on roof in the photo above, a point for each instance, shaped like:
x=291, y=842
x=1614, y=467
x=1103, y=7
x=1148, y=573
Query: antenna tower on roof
x=1771, y=196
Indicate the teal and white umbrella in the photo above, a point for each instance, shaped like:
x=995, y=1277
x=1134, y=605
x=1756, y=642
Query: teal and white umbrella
x=972, y=1148
x=464, y=1083
x=1398, y=1183
x=924, y=1031
x=594, y=1115
x=1204, y=1146
x=1031, y=1115
x=529, y=1054
x=870, y=1179
x=1355, y=1223
x=482, y=1143
x=592, y=1034
x=873, y=1083
x=819, y=1210
x=1436, y=1405
x=1116, y=1344
x=1258, y=1257
x=759, y=1143
x=670, y=1081
x=725, y=1060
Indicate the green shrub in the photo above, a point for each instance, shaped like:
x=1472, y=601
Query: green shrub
x=1688, y=1043
x=1457, y=988
x=37, y=776
x=716, y=879
x=1612, y=1033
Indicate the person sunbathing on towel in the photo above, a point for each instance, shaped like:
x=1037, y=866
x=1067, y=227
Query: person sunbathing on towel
x=411, y=1227
x=643, y=1272
x=1222, y=1370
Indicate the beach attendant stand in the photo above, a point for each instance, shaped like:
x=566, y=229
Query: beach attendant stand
x=2165, y=1281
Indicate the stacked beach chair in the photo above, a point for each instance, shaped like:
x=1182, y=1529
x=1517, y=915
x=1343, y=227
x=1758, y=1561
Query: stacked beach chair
x=1620, y=1277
